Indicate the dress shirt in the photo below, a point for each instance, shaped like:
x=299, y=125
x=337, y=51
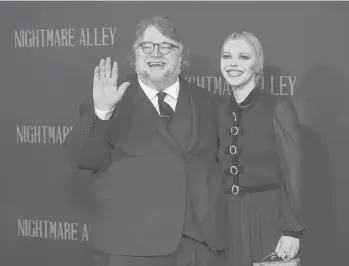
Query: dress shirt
x=171, y=98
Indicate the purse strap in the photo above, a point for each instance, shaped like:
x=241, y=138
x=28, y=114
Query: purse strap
x=269, y=256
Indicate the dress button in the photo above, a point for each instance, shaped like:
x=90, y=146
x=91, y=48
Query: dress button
x=234, y=116
x=234, y=170
x=88, y=130
x=232, y=150
x=234, y=130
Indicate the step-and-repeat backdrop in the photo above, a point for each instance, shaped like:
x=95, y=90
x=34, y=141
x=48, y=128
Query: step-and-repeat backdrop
x=48, y=52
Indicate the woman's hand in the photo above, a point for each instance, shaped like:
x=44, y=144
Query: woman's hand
x=287, y=247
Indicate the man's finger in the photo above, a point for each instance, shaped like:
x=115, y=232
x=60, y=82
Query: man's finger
x=122, y=88
x=108, y=67
x=102, y=68
x=96, y=74
x=114, y=73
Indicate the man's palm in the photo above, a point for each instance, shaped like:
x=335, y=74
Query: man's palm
x=106, y=94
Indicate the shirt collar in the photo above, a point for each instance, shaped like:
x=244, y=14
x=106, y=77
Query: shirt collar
x=173, y=90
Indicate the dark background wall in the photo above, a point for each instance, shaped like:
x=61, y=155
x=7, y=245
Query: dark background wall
x=41, y=88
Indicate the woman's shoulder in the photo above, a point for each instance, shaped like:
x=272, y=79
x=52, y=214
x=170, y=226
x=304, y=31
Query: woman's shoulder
x=276, y=103
x=283, y=105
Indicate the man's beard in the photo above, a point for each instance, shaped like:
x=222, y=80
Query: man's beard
x=146, y=75
x=160, y=80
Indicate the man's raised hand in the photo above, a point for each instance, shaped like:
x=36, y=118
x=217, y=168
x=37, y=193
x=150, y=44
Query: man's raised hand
x=106, y=94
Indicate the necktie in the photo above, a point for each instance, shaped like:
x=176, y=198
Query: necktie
x=166, y=111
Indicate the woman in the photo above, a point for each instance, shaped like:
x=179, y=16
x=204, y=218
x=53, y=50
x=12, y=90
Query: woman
x=260, y=155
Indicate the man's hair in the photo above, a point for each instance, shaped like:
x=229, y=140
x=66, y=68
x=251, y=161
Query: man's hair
x=167, y=28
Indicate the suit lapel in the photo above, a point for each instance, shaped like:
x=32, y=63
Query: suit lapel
x=184, y=124
x=205, y=131
x=195, y=125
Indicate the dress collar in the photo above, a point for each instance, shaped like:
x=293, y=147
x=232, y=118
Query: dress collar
x=250, y=99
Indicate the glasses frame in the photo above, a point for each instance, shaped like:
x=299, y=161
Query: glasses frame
x=158, y=45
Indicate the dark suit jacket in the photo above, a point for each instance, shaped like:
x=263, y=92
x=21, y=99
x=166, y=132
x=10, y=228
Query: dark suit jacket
x=152, y=184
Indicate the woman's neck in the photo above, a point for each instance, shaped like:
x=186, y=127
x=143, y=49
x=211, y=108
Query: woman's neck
x=242, y=92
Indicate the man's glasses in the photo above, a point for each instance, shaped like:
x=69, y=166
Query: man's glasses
x=164, y=47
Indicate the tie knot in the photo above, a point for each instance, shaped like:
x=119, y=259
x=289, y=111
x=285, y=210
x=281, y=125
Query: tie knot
x=161, y=95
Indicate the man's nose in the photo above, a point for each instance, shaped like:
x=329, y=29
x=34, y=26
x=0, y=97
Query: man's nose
x=156, y=51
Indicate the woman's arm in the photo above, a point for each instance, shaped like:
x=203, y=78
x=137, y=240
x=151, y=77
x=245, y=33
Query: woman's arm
x=287, y=130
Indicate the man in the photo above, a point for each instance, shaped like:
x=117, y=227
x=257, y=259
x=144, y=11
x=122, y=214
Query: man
x=151, y=143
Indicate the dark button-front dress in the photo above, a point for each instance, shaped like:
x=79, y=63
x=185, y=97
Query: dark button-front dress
x=260, y=156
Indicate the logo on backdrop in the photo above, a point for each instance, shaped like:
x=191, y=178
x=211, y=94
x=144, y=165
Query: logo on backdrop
x=55, y=230
x=276, y=85
x=69, y=37
x=42, y=134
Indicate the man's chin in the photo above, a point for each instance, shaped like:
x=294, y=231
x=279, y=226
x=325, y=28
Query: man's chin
x=157, y=76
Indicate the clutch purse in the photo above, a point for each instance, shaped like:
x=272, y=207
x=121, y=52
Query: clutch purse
x=273, y=260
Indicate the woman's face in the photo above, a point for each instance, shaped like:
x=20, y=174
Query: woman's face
x=238, y=62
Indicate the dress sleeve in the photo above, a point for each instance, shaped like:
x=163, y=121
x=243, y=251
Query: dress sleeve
x=287, y=130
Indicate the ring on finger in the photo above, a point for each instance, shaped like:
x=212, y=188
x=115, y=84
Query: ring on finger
x=287, y=256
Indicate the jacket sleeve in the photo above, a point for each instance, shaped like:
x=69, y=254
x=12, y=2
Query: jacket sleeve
x=88, y=144
x=287, y=130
